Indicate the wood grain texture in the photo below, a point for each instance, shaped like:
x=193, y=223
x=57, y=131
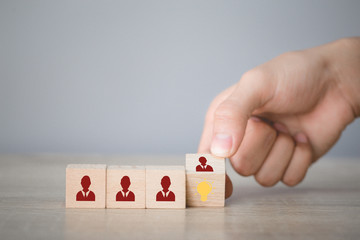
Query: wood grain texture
x=97, y=176
x=326, y=205
x=136, y=175
x=192, y=161
x=154, y=176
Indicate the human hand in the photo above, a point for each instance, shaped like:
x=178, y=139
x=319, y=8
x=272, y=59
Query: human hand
x=285, y=114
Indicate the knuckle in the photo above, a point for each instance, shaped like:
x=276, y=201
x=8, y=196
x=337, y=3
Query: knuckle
x=289, y=54
x=259, y=79
x=348, y=43
x=264, y=129
x=226, y=111
x=294, y=56
x=257, y=73
x=271, y=136
x=286, y=139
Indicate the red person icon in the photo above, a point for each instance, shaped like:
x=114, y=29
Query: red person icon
x=85, y=194
x=125, y=194
x=165, y=194
x=202, y=167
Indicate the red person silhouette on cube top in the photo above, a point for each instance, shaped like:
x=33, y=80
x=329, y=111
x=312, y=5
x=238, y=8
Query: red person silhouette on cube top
x=202, y=167
x=165, y=194
x=125, y=194
x=85, y=194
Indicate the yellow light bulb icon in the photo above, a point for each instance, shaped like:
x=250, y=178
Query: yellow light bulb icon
x=204, y=188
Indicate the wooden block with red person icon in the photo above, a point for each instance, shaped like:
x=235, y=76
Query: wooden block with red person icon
x=205, y=180
x=165, y=187
x=85, y=185
x=125, y=187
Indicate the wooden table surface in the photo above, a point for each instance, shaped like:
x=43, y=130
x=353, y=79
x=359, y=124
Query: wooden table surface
x=325, y=206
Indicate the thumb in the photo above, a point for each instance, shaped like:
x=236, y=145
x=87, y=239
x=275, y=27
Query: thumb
x=231, y=116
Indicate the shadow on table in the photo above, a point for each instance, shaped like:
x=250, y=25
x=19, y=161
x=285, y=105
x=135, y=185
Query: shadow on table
x=303, y=194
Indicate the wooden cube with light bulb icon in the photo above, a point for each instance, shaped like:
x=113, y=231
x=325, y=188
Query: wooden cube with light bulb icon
x=205, y=180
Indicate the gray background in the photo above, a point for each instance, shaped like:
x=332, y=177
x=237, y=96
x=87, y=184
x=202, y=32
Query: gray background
x=137, y=76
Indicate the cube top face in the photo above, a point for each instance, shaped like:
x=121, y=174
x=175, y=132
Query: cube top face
x=85, y=185
x=125, y=187
x=115, y=167
x=165, y=187
x=204, y=163
x=167, y=168
x=87, y=166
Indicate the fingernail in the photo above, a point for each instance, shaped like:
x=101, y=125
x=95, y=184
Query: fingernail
x=280, y=127
x=301, y=138
x=221, y=145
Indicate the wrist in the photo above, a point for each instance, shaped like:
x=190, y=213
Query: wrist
x=343, y=60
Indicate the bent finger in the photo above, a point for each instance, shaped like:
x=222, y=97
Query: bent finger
x=257, y=143
x=277, y=161
x=300, y=162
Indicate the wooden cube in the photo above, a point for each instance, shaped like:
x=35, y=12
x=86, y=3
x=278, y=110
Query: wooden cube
x=85, y=185
x=205, y=180
x=165, y=187
x=125, y=187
